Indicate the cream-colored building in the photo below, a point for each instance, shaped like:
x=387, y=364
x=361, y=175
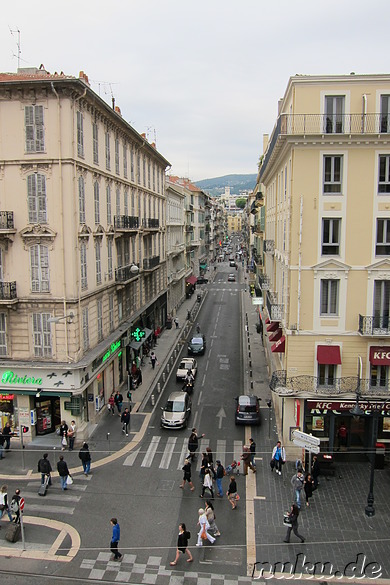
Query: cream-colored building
x=82, y=249
x=326, y=179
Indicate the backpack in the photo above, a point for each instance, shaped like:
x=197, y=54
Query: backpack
x=188, y=535
x=14, y=506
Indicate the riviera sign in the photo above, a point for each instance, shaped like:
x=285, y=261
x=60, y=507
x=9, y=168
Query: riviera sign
x=11, y=378
x=111, y=350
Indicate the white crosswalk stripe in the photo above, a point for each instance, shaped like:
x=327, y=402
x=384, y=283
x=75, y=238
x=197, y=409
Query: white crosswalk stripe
x=168, y=452
x=221, y=450
x=150, y=453
x=183, y=454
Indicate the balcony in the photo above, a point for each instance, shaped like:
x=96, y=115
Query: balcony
x=269, y=246
x=151, y=263
x=7, y=227
x=126, y=222
x=126, y=273
x=189, y=228
x=150, y=223
x=317, y=386
x=8, y=291
x=275, y=311
x=374, y=326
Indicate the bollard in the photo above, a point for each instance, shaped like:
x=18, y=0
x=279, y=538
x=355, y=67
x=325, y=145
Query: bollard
x=163, y=377
x=109, y=446
x=250, y=363
x=250, y=373
x=251, y=384
x=158, y=387
x=152, y=399
x=168, y=368
x=249, y=354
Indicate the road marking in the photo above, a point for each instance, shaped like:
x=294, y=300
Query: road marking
x=220, y=452
x=75, y=487
x=150, y=453
x=204, y=379
x=51, y=497
x=50, y=509
x=183, y=454
x=130, y=459
x=200, y=398
x=221, y=414
x=168, y=452
x=237, y=450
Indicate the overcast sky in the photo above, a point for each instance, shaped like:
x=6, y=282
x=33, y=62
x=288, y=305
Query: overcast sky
x=202, y=77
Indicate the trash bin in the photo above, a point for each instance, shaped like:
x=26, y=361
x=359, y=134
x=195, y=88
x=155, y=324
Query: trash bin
x=379, y=456
x=168, y=323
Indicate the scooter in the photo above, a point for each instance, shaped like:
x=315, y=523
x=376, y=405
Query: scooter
x=188, y=387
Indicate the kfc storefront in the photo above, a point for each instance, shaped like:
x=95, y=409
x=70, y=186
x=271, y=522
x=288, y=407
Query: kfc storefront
x=379, y=366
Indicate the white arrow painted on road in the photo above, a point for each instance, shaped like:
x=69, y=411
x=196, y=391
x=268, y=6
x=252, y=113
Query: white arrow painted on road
x=221, y=414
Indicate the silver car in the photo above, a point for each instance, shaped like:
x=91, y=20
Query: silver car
x=176, y=412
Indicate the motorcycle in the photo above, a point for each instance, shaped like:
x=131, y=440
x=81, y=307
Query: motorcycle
x=188, y=387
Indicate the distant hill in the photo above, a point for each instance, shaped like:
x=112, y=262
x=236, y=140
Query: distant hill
x=236, y=183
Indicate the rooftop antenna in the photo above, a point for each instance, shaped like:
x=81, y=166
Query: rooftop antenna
x=17, y=43
x=151, y=130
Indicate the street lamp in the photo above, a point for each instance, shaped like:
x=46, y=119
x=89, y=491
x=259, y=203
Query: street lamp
x=69, y=318
x=134, y=269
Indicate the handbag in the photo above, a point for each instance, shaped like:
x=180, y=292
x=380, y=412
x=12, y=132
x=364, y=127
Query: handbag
x=272, y=463
x=237, y=497
x=64, y=441
x=286, y=519
x=69, y=480
x=203, y=534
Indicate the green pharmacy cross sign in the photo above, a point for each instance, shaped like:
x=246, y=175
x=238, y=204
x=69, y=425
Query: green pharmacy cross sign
x=138, y=334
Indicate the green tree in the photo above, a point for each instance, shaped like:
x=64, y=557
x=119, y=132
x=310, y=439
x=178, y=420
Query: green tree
x=241, y=203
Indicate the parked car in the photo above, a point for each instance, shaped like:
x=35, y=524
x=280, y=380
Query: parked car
x=197, y=345
x=202, y=280
x=185, y=365
x=176, y=412
x=247, y=410
x=232, y=278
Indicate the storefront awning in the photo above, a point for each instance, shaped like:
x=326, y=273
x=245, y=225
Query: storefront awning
x=279, y=346
x=191, y=280
x=276, y=336
x=380, y=356
x=328, y=354
x=137, y=344
x=273, y=326
x=203, y=266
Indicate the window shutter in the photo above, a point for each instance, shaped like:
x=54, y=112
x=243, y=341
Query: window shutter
x=37, y=334
x=44, y=261
x=34, y=265
x=41, y=193
x=29, y=125
x=32, y=199
x=39, y=129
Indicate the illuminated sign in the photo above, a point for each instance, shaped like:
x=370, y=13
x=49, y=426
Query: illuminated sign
x=10, y=377
x=138, y=334
x=6, y=397
x=111, y=350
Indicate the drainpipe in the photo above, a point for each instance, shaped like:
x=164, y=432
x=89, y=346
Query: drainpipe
x=299, y=263
x=62, y=218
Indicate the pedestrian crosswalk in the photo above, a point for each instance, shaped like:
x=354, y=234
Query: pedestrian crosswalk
x=51, y=503
x=170, y=452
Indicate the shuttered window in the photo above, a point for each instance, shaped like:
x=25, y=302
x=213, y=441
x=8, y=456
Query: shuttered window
x=96, y=199
x=81, y=200
x=85, y=329
x=3, y=334
x=34, y=128
x=83, y=265
x=36, y=196
x=41, y=335
x=95, y=143
x=80, y=134
x=98, y=262
x=39, y=265
x=108, y=202
x=99, y=309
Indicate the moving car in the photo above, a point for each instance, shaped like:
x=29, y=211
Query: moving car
x=232, y=278
x=197, y=345
x=247, y=410
x=185, y=365
x=202, y=280
x=232, y=263
x=176, y=412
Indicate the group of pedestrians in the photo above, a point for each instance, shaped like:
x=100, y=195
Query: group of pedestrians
x=45, y=468
x=67, y=435
x=8, y=506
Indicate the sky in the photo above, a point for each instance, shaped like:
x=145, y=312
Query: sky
x=202, y=78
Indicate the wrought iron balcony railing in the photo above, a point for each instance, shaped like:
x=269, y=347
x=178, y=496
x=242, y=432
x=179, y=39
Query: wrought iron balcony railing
x=7, y=220
x=8, y=291
x=275, y=311
x=373, y=326
x=126, y=222
x=321, y=386
x=150, y=223
x=264, y=281
x=269, y=246
x=125, y=273
x=151, y=263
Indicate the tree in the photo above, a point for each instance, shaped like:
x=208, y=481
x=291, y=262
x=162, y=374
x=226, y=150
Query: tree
x=241, y=203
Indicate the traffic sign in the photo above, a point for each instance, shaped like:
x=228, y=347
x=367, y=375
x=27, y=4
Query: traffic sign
x=311, y=448
x=21, y=504
x=306, y=438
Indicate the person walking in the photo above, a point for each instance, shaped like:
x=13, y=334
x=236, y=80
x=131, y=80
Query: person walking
x=7, y=434
x=4, y=506
x=45, y=469
x=125, y=420
x=278, y=457
x=232, y=492
x=63, y=472
x=2, y=441
x=111, y=404
x=15, y=506
x=308, y=486
x=297, y=481
x=252, y=449
x=204, y=526
x=153, y=359
x=203, y=466
x=85, y=457
x=63, y=432
x=118, y=399
x=219, y=473
x=193, y=443
x=315, y=471
x=187, y=475
x=210, y=514
x=176, y=320
x=207, y=484
x=182, y=544
x=115, y=538
x=72, y=434
x=246, y=459
x=293, y=518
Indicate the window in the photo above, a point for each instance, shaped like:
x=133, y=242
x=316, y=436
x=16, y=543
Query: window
x=99, y=310
x=384, y=174
x=381, y=304
x=85, y=329
x=80, y=134
x=1, y=265
x=144, y=170
x=379, y=376
x=36, y=195
x=117, y=156
x=35, y=131
x=385, y=114
x=81, y=200
x=333, y=168
x=329, y=297
x=132, y=163
x=111, y=312
x=108, y=161
x=118, y=202
x=39, y=265
x=138, y=168
x=382, y=247
x=149, y=176
x=3, y=334
x=326, y=374
x=125, y=160
x=126, y=202
x=330, y=237
x=95, y=143
x=96, y=202
x=98, y=262
x=334, y=114
x=83, y=265
x=109, y=257
x=108, y=201
x=41, y=335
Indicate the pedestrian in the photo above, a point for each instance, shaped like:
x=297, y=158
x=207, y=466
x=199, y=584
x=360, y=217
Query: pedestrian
x=63, y=432
x=207, y=484
x=204, y=526
x=252, y=449
x=293, y=518
x=342, y=434
x=308, y=486
x=139, y=377
x=2, y=441
x=297, y=484
x=111, y=404
x=210, y=514
x=246, y=459
x=15, y=506
x=153, y=359
x=203, y=466
x=176, y=320
x=198, y=327
x=315, y=471
x=85, y=457
x=232, y=492
x=193, y=443
x=188, y=315
x=278, y=458
x=7, y=434
x=72, y=434
x=219, y=473
x=63, y=472
x=125, y=420
x=45, y=469
x=209, y=454
x=182, y=544
x=118, y=399
x=116, y=535
x=187, y=475
x=4, y=506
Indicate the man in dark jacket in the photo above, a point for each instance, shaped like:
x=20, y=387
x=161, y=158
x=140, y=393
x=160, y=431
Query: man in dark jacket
x=219, y=473
x=44, y=468
x=125, y=420
x=63, y=472
x=118, y=401
x=315, y=471
x=7, y=434
x=85, y=457
x=252, y=449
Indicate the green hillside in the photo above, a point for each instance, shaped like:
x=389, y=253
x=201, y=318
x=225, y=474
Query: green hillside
x=237, y=183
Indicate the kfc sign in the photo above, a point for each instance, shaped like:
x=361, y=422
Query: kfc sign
x=380, y=356
x=318, y=407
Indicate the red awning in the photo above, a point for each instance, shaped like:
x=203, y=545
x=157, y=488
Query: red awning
x=267, y=321
x=380, y=356
x=192, y=279
x=276, y=336
x=279, y=346
x=328, y=354
x=273, y=326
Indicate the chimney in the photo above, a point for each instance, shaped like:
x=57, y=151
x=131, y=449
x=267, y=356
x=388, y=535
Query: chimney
x=113, y=102
x=153, y=145
x=143, y=134
x=118, y=111
x=84, y=77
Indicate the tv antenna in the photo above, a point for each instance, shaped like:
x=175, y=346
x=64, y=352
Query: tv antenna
x=150, y=130
x=13, y=32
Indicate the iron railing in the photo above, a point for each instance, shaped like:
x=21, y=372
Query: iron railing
x=8, y=291
x=126, y=222
x=125, y=273
x=375, y=325
x=151, y=223
x=264, y=281
x=6, y=220
x=269, y=246
x=150, y=263
x=275, y=311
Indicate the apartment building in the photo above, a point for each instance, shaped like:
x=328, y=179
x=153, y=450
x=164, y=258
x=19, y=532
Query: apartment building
x=325, y=176
x=82, y=249
x=176, y=249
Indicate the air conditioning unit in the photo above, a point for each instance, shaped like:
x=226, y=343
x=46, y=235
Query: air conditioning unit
x=293, y=327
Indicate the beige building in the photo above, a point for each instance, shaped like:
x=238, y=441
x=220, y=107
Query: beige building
x=82, y=250
x=326, y=179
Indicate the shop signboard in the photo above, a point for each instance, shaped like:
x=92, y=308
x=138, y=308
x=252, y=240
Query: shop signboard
x=24, y=415
x=308, y=442
x=318, y=407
